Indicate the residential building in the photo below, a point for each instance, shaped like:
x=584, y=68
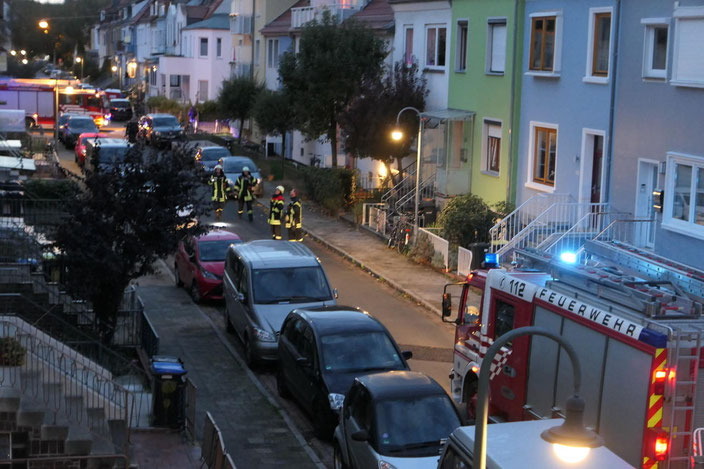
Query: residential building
x=658, y=144
x=484, y=68
x=566, y=97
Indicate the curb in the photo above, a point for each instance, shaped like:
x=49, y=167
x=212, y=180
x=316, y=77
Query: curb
x=361, y=265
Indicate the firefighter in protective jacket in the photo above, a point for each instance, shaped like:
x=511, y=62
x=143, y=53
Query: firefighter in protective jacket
x=276, y=212
x=243, y=192
x=294, y=218
x=220, y=186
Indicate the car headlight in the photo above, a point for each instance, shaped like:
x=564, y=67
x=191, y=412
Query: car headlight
x=386, y=465
x=83, y=151
x=336, y=400
x=208, y=274
x=263, y=335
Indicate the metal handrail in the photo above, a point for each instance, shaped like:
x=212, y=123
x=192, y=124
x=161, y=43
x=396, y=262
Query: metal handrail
x=574, y=228
x=429, y=182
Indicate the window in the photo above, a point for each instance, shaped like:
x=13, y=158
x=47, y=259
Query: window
x=542, y=43
x=435, y=39
x=684, y=204
x=204, y=47
x=544, y=155
x=599, y=51
x=655, y=48
x=461, y=53
x=174, y=80
x=504, y=319
x=491, y=157
x=408, y=46
x=272, y=53
x=218, y=47
x=202, y=90
x=496, y=46
x=688, y=53
x=257, y=52
x=453, y=460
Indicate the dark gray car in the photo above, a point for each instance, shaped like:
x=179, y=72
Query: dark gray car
x=160, y=129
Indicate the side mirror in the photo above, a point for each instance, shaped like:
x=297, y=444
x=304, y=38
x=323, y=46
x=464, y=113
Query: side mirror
x=361, y=435
x=446, y=304
x=407, y=354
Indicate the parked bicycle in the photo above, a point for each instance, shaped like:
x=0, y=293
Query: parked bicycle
x=399, y=233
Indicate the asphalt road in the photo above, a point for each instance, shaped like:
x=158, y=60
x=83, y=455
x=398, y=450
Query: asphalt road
x=413, y=327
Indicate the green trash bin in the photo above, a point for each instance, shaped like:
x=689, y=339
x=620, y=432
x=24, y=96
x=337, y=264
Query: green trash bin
x=168, y=385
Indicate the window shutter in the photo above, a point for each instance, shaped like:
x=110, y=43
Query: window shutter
x=498, y=48
x=689, y=56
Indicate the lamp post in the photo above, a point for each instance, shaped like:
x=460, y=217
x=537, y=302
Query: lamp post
x=571, y=441
x=80, y=61
x=397, y=135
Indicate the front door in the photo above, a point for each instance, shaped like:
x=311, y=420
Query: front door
x=597, y=158
x=647, y=183
x=509, y=380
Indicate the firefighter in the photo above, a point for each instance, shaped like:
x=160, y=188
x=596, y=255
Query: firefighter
x=294, y=218
x=243, y=192
x=220, y=190
x=276, y=212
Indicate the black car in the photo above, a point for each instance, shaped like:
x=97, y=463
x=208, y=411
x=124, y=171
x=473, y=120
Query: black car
x=322, y=350
x=120, y=109
x=63, y=120
x=76, y=126
x=159, y=129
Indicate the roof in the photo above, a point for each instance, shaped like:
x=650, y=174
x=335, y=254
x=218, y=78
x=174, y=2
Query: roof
x=271, y=254
x=219, y=21
x=12, y=162
x=160, y=114
x=377, y=14
x=449, y=114
x=218, y=235
x=282, y=24
x=340, y=319
x=518, y=444
x=110, y=142
x=119, y=100
x=400, y=384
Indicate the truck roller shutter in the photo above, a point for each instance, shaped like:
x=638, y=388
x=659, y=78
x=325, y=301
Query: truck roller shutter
x=542, y=367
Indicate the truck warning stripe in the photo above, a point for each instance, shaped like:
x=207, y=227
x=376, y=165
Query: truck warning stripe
x=656, y=401
x=649, y=463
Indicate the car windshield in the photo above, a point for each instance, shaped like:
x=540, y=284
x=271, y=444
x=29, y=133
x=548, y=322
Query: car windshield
x=169, y=121
x=64, y=118
x=82, y=124
x=362, y=351
x=213, y=153
x=120, y=104
x=290, y=285
x=112, y=154
x=413, y=427
x=214, y=251
x=237, y=165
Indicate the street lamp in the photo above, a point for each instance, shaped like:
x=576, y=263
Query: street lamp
x=397, y=135
x=571, y=440
x=13, y=52
x=80, y=61
x=23, y=52
x=25, y=61
x=113, y=68
x=43, y=24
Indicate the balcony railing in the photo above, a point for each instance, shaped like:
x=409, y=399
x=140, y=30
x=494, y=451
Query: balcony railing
x=241, y=24
x=340, y=11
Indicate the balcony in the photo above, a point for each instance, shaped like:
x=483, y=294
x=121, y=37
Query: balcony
x=241, y=69
x=340, y=11
x=241, y=24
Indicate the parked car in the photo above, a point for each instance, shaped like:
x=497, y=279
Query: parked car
x=112, y=152
x=159, y=129
x=75, y=126
x=396, y=419
x=200, y=261
x=120, y=109
x=265, y=280
x=63, y=120
x=208, y=156
x=232, y=166
x=80, y=149
x=322, y=350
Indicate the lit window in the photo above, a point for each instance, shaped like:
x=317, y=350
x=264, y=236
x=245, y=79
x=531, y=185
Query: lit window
x=435, y=45
x=544, y=155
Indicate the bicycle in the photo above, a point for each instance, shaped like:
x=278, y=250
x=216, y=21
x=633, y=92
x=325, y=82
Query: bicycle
x=400, y=234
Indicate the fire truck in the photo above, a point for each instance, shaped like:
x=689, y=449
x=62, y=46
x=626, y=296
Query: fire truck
x=36, y=97
x=635, y=320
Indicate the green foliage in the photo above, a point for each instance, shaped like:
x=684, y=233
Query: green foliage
x=273, y=112
x=503, y=208
x=50, y=188
x=437, y=260
x=332, y=188
x=328, y=71
x=128, y=216
x=164, y=104
x=12, y=353
x=422, y=251
x=466, y=219
x=209, y=111
x=237, y=97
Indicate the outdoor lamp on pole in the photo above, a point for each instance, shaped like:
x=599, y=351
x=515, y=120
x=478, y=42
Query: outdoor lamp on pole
x=43, y=24
x=571, y=440
x=397, y=135
x=80, y=61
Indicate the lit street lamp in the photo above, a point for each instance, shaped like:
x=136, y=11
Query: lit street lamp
x=25, y=61
x=571, y=440
x=13, y=52
x=23, y=52
x=397, y=135
x=114, y=68
x=79, y=60
x=43, y=24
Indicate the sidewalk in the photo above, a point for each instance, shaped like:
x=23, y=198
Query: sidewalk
x=422, y=284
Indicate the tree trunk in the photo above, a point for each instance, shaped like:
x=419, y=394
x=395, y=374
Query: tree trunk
x=333, y=142
x=106, y=306
x=283, y=153
x=239, y=137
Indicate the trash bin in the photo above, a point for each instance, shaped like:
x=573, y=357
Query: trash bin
x=168, y=385
x=427, y=212
x=131, y=129
x=478, y=251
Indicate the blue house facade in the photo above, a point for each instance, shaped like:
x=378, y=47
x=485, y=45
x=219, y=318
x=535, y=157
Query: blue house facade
x=658, y=125
x=565, y=99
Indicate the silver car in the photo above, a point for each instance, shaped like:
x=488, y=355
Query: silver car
x=263, y=281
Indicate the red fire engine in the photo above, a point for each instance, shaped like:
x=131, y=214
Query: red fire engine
x=36, y=97
x=635, y=321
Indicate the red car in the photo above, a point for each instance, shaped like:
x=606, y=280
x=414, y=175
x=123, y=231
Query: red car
x=200, y=262
x=80, y=148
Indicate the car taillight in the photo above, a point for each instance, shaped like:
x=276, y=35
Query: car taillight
x=661, y=446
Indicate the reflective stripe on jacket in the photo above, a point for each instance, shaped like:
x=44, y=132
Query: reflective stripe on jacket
x=243, y=187
x=220, y=188
x=276, y=209
x=294, y=212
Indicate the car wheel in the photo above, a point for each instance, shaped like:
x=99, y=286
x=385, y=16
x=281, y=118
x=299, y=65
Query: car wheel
x=337, y=461
x=195, y=292
x=179, y=282
x=281, y=387
x=469, y=400
x=321, y=425
x=249, y=358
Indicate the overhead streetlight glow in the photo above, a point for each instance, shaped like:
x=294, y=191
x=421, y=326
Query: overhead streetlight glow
x=570, y=454
x=44, y=24
x=78, y=60
x=23, y=52
x=13, y=52
x=25, y=61
x=68, y=90
x=113, y=68
x=396, y=135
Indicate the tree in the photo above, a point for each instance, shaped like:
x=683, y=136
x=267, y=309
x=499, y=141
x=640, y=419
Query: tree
x=237, y=98
x=327, y=72
x=274, y=115
x=371, y=117
x=466, y=219
x=125, y=220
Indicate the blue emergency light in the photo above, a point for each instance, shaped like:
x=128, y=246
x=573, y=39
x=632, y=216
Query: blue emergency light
x=491, y=259
x=568, y=257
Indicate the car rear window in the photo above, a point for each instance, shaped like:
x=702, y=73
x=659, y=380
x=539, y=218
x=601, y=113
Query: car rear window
x=362, y=351
x=213, y=153
x=237, y=165
x=165, y=121
x=214, y=251
x=82, y=123
x=112, y=154
x=290, y=285
x=120, y=104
